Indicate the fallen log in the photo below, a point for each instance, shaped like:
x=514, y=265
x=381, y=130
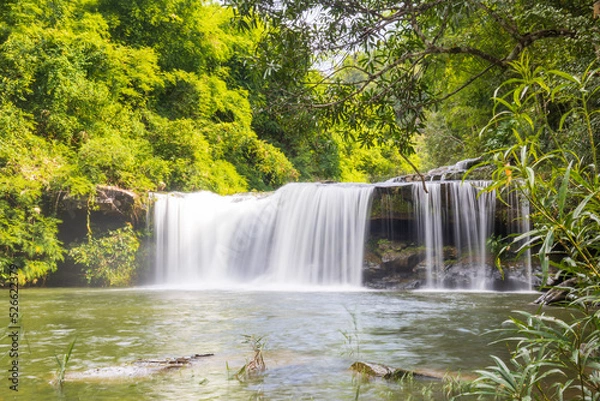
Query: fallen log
x=558, y=293
x=388, y=373
x=171, y=362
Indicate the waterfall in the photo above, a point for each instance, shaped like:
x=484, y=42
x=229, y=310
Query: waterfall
x=315, y=234
x=303, y=234
x=457, y=215
x=518, y=220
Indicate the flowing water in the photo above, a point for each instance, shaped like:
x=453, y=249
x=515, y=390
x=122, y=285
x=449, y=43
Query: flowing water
x=306, y=334
x=314, y=234
x=303, y=234
x=470, y=213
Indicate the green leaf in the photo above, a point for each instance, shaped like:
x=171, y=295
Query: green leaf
x=566, y=76
x=562, y=192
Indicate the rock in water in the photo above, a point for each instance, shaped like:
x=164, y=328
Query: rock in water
x=371, y=369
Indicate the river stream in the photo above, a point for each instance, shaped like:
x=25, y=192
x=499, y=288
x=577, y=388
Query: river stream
x=311, y=338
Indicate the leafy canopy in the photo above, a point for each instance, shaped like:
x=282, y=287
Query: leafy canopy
x=383, y=66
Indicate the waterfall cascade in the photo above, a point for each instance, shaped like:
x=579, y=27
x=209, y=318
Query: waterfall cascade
x=314, y=234
x=467, y=212
x=304, y=234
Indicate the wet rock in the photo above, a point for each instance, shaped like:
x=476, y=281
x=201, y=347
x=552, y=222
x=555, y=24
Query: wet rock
x=391, y=264
x=453, y=172
x=109, y=200
x=373, y=370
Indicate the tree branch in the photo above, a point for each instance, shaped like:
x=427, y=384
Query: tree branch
x=510, y=26
x=528, y=38
x=466, y=50
x=416, y=170
x=467, y=83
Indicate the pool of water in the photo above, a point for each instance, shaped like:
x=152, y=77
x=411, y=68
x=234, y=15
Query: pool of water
x=311, y=338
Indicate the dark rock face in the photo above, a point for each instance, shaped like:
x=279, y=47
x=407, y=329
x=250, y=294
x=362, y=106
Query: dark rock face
x=111, y=208
x=109, y=200
x=400, y=266
x=393, y=264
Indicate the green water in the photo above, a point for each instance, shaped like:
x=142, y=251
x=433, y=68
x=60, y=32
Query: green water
x=307, y=356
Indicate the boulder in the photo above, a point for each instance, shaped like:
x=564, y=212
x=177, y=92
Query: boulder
x=109, y=200
x=392, y=264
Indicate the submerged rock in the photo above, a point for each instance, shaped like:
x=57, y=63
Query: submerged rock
x=138, y=368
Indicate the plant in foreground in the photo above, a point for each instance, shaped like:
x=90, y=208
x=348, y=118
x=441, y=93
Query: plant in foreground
x=352, y=337
x=553, y=358
x=62, y=363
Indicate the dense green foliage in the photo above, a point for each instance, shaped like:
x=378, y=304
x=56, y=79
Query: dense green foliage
x=391, y=71
x=559, y=177
x=192, y=95
x=110, y=260
x=553, y=165
x=146, y=95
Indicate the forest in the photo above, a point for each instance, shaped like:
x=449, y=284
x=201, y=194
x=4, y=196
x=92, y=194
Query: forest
x=181, y=95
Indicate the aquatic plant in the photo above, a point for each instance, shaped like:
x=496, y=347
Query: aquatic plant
x=256, y=365
x=62, y=363
x=351, y=337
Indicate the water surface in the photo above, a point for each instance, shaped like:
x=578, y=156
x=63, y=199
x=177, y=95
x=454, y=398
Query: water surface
x=311, y=340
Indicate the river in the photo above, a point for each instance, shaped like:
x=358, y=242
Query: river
x=311, y=338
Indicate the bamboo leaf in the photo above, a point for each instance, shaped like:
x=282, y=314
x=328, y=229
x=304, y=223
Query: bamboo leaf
x=579, y=209
x=530, y=177
x=566, y=76
x=562, y=192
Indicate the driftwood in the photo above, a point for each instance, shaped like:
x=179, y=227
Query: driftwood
x=169, y=363
x=138, y=368
x=558, y=293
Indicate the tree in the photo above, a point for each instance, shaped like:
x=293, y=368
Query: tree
x=401, y=52
x=95, y=93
